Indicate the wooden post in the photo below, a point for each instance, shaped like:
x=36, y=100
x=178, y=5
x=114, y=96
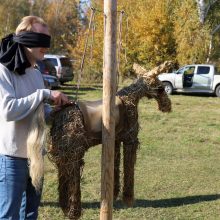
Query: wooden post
x=108, y=112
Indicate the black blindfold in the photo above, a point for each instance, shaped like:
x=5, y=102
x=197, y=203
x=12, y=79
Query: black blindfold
x=32, y=39
x=12, y=53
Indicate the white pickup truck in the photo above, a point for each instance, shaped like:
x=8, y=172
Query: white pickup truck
x=199, y=78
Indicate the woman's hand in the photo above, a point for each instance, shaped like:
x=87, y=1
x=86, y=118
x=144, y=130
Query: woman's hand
x=59, y=98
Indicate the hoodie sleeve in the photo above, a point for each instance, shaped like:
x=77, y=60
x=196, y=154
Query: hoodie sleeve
x=14, y=109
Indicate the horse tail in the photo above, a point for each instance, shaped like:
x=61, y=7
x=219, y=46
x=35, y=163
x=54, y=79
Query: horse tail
x=35, y=143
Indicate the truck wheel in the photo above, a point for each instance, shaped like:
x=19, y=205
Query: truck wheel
x=217, y=91
x=168, y=88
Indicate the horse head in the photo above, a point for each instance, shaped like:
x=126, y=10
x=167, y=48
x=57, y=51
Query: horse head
x=155, y=88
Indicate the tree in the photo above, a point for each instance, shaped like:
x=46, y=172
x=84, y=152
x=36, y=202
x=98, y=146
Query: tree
x=62, y=18
x=150, y=35
x=147, y=40
x=192, y=38
x=204, y=8
x=209, y=11
x=11, y=13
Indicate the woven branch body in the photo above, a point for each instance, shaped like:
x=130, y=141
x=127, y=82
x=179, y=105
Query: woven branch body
x=70, y=141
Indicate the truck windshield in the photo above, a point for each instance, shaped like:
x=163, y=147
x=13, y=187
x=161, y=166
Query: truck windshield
x=180, y=71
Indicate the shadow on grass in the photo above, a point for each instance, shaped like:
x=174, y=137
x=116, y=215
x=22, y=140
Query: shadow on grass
x=82, y=88
x=194, y=94
x=173, y=202
x=71, y=90
x=141, y=203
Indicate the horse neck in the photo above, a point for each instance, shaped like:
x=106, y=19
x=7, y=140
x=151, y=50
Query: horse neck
x=134, y=92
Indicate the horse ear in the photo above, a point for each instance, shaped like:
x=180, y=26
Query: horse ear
x=152, y=74
x=139, y=70
x=164, y=67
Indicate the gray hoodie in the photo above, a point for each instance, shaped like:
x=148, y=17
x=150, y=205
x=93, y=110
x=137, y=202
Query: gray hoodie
x=20, y=95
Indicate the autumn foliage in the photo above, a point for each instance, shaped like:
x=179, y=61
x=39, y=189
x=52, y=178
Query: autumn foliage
x=151, y=31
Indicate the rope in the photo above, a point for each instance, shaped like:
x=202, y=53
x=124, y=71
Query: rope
x=92, y=25
x=100, y=10
x=84, y=53
x=93, y=31
x=105, y=18
x=119, y=44
x=126, y=37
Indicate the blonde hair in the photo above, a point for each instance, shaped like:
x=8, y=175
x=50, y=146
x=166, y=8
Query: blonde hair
x=27, y=22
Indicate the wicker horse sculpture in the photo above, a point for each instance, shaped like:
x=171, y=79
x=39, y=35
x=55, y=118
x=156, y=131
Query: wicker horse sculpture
x=77, y=127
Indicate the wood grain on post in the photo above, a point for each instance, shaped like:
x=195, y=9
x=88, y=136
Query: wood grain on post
x=109, y=92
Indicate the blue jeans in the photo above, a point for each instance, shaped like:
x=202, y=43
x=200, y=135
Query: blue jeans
x=18, y=198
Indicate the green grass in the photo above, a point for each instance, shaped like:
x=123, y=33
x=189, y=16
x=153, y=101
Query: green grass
x=177, y=168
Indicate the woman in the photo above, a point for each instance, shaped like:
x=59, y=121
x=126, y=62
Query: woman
x=21, y=92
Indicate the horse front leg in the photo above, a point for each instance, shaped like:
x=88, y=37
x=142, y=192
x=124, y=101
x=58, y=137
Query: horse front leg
x=69, y=189
x=117, y=169
x=130, y=153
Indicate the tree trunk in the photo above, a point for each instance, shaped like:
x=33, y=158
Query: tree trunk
x=211, y=42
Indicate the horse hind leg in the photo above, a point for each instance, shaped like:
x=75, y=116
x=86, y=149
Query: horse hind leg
x=117, y=169
x=130, y=151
